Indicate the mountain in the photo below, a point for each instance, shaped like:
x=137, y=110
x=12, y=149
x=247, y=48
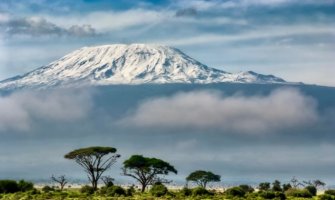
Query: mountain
x=128, y=64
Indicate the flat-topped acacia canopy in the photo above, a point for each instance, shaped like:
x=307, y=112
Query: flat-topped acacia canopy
x=89, y=151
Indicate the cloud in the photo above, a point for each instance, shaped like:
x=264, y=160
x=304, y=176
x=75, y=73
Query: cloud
x=271, y=32
x=39, y=26
x=282, y=109
x=19, y=110
x=115, y=20
x=186, y=12
x=228, y=4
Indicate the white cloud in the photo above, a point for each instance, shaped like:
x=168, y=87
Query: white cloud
x=227, y=4
x=114, y=20
x=39, y=26
x=19, y=110
x=282, y=109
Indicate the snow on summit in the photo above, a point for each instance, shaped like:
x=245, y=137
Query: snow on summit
x=129, y=64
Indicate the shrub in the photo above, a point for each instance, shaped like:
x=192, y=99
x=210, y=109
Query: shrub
x=34, y=191
x=293, y=192
x=276, y=186
x=247, y=188
x=330, y=192
x=186, y=192
x=312, y=189
x=8, y=186
x=47, y=189
x=199, y=191
x=326, y=197
x=267, y=194
x=280, y=195
x=235, y=192
x=158, y=190
x=286, y=187
x=25, y=186
x=130, y=191
x=264, y=186
x=115, y=191
x=86, y=189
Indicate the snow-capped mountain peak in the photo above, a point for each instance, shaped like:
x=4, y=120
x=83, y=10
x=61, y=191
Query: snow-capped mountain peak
x=129, y=64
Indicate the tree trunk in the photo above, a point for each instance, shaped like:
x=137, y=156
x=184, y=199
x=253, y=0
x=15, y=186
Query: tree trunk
x=95, y=184
x=143, y=188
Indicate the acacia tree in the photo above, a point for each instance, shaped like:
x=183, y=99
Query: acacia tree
x=146, y=170
x=316, y=183
x=202, y=178
x=61, y=180
x=94, y=160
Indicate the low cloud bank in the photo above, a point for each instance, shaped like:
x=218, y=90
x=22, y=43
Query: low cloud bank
x=20, y=110
x=281, y=109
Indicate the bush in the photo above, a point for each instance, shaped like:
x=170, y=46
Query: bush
x=264, y=186
x=48, y=189
x=158, y=190
x=326, y=197
x=247, y=188
x=267, y=194
x=235, y=192
x=115, y=191
x=25, y=186
x=186, y=192
x=130, y=191
x=8, y=186
x=280, y=195
x=312, y=189
x=293, y=192
x=330, y=192
x=286, y=187
x=86, y=189
x=199, y=191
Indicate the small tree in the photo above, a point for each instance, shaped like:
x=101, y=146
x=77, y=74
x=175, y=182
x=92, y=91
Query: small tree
x=264, y=186
x=295, y=182
x=286, y=187
x=94, y=160
x=108, y=181
x=201, y=178
x=61, y=180
x=317, y=183
x=276, y=186
x=146, y=170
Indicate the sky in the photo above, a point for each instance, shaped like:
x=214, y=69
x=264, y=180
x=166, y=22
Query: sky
x=288, y=38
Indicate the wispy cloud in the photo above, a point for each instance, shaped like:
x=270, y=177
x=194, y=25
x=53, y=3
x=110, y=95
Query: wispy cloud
x=228, y=4
x=265, y=32
x=39, y=26
x=282, y=109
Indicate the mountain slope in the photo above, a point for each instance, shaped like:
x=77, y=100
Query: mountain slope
x=129, y=64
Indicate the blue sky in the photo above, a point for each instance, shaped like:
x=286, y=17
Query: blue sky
x=289, y=38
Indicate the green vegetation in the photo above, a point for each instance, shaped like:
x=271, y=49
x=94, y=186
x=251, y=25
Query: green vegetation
x=148, y=173
x=157, y=191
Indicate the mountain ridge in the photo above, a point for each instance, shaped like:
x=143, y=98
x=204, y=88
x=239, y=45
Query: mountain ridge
x=129, y=64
